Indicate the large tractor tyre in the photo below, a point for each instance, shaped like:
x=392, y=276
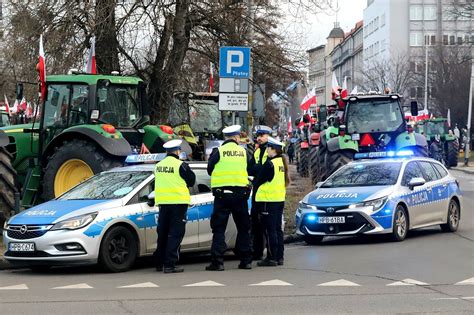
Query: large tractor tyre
x=313, y=164
x=322, y=172
x=7, y=186
x=304, y=158
x=337, y=159
x=72, y=163
x=452, y=149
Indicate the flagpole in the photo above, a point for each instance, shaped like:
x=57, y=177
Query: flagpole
x=469, y=116
x=426, y=76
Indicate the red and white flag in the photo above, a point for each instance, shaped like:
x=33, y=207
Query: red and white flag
x=335, y=86
x=144, y=149
x=309, y=99
x=344, y=92
x=211, y=76
x=29, y=110
x=91, y=67
x=7, y=106
x=14, y=109
x=23, y=105
x=290, y=127
x=42, y=70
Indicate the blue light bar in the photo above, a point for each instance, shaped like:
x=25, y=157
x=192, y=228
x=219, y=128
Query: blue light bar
x=144, y=158
x=383, y=154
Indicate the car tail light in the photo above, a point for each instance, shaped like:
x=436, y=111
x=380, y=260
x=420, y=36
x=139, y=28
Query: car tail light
x=167, y=129
x=108, y=128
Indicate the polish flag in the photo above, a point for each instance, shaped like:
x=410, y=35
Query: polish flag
x=211, y=77
x=290, y=127
x=91, y=67
x=14, y=109
x=309, y=99
x=41, y=67
x=344, y=92
x=23, y=105
x=29, y=110
x=335, y=86
x=7, y=106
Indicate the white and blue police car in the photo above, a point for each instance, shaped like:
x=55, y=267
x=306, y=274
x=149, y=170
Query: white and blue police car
x=383, y=193
x=108, y=219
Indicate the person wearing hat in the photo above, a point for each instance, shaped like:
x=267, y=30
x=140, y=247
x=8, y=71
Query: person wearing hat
x=227, y=167
x=172, y=179
x=270, y=194
x=259, y=158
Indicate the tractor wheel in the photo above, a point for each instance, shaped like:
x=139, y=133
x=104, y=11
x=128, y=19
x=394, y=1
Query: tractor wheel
x=322, y=172
x=337, y=159
x=313, y=164
x=72, y=163
x=7, y=186
x=452, y=154
x=304, y=158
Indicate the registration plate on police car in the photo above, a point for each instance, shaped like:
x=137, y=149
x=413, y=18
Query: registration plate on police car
x=21, y=247
x=324, y=220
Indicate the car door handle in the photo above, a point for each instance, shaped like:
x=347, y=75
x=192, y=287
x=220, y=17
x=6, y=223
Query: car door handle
x=191, y=206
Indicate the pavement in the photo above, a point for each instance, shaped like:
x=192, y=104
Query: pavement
x=430, y=272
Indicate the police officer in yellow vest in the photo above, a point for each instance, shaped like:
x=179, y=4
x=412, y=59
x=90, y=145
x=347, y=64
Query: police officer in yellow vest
x=259, y=158
x=270, y=194
x=227, y=166
x=172, y=179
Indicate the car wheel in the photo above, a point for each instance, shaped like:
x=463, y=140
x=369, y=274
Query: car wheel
x=313, y=239
x=453, y=218
x=400, y=224
x=118, y=250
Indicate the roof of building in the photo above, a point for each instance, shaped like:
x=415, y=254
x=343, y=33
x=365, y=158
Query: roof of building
x=355, y=29
x=336, y=32
x=315, y=48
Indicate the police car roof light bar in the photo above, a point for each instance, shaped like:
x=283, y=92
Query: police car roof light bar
x=383, y=154
x=144, y=158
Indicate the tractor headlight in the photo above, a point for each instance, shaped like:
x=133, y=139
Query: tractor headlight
x=75, y=223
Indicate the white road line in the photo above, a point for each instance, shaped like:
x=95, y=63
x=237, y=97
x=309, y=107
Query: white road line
x=465, y=282
x=140, y=285
x=208, y=283
x=440, y=299
x=275, y=282
x=74, y=286
x=339, y=283
x=468, y=298
x=15, y=287
x=407, y=282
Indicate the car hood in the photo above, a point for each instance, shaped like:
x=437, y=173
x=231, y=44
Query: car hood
x=346, y=195
x=57, y=210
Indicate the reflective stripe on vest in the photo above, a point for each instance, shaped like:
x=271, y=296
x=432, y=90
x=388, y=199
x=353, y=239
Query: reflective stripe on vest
x=231, y=170
x=274, y=190
x=256, y=156
x=170, y=187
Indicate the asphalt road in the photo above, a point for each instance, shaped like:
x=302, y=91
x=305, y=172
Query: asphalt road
x=430, y=272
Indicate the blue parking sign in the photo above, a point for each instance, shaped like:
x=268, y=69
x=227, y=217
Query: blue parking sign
x=234, y=62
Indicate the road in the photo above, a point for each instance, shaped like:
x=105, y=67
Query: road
x=430, y=272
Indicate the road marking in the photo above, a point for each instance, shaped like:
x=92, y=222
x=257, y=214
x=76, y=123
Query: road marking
x=208, y=283
x=440, y=299
x=465, y=282
x=15, y=287
x=339, y=283
x=407, y=282
x=74, y=286
x=140, y=285
x=275, y=282
x=468, y=298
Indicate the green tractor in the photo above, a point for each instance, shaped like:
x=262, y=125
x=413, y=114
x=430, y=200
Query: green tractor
x=366, y=123
x=4, y=117
x=439, y=126
x=88, y=124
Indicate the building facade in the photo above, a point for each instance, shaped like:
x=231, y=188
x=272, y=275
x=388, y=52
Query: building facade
x=317, y=71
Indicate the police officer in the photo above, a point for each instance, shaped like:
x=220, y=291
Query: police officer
x=227, y=166
x=256, y=163
x=271, y=194
x=172, y=179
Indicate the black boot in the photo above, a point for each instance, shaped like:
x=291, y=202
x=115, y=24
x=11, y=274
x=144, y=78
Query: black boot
x=173, y=269
x=215, y=267
x=267, y=263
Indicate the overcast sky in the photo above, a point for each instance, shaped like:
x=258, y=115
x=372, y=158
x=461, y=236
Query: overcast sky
x=316, y=27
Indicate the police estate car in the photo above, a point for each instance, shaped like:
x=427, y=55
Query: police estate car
x=110, y=219
x=387, y=195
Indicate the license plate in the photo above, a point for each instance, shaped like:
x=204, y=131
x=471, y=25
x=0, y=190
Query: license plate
x=21, y=247
x=324, y=220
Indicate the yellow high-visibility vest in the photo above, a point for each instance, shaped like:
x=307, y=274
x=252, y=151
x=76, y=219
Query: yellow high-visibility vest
x=231, y=170
x=256, y=156
x=170, y=187
x=275, y=190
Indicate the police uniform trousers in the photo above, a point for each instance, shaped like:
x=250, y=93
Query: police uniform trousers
x=271, y=216
x=258, y=239
x=224, y=205
x=171, y=228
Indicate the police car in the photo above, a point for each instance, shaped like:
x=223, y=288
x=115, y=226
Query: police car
x=109, y=219
x=392, y=194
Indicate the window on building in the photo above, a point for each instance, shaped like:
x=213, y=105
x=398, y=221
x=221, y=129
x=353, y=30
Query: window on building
x=430, y=40
x=416, y=39
x=452, y=40
x=445, y=39
x=416, y=12
x=429, y=12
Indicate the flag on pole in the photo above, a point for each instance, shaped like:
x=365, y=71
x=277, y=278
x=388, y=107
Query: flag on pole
x=211, y=76
x=449, y=118
x=14, y=109
x=309, y=99
x=42, y=70
x=91, y=67
x=290, y=127
x=23, y=105
x=344, y=92
x=29, y=110
x=7, y=106
x=354, y=91
x=335, y=86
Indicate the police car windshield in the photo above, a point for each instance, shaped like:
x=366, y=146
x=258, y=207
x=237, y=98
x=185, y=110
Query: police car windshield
x=365, y=174
x=109, y=185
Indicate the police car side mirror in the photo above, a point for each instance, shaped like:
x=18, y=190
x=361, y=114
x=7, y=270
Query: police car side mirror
x=151, y=199
x=416, y=181
x=319, y=184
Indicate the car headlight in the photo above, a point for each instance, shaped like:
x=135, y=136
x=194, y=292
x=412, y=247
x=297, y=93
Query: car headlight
x=376, y=204
x=302, y=206
x=75, y=223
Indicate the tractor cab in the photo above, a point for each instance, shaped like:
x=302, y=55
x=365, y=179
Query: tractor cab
x=4, y=117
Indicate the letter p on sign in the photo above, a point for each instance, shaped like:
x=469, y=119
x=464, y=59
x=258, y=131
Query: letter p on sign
x=234, y=62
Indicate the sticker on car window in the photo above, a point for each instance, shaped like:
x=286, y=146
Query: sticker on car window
x=123, y=191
